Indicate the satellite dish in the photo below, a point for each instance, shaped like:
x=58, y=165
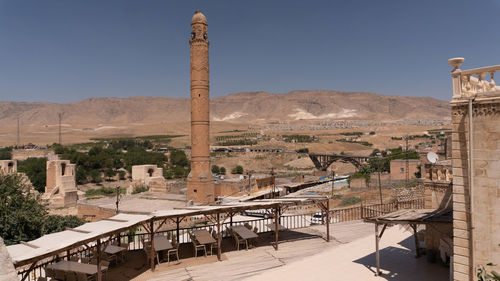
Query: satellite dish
x=432, y=157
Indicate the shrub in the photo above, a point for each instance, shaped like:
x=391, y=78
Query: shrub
x=215, y=169
x=36, y=170
x=350, y=201
x=139, y=189
x=103, y=191
x=237, y=170
x=122, y=174
x=222, y=171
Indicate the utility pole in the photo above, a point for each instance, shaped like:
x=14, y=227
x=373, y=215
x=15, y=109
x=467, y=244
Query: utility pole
x=407, y=167
x=60, y=134
x=274, y=183
x=379, y=162
x=117, y=197
x=333, y=181
x=18, y=140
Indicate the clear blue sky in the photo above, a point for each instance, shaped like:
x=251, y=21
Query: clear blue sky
x=68, y=50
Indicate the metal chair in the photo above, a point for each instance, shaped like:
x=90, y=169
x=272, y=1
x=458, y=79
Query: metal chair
x=70, y=276
x=239, y=240
x=214, y=245
x=147, y=250
x=175, y=250
x=49, y=272
x=197, y=246
x=60, y=275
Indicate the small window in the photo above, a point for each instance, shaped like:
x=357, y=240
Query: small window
x=402, y=170
x=195, y=190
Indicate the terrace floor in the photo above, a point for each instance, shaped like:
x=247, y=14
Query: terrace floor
x=303, y=255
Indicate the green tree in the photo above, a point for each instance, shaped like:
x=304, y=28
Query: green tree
x=122, y=174
x=95, y=175
x=222, y=171
x=237, y=170
x=178, y=158
x=5, y=153
x=36, y=170
x=215, y=169
x=21, y=216
x=81, y=175
x=60, y=223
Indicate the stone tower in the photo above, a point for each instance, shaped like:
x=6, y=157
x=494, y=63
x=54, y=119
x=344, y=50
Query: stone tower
x=200, y=186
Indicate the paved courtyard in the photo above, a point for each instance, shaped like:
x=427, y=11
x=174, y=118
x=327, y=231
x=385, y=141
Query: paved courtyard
x=304, y=255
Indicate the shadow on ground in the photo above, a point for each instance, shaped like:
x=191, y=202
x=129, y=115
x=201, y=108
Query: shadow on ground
x=400, y=264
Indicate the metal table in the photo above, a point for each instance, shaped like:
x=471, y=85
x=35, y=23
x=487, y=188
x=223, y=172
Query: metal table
x=113, y=250
x=89, y=269
x=203, y=237
x=162, y=243
x=244, y=232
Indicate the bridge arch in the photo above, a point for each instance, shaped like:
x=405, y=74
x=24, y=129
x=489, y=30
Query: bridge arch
x=323, y=161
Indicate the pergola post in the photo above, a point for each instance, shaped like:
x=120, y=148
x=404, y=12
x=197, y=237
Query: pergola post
x=276, y=221
x=219, y=238
x=327, y=220
x=377, y=250
x=99, y=272
x=231, y=219
x=152, y=234
x=177, y=222
x=417, y=246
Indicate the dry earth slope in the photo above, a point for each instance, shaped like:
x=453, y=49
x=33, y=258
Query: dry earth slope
x=242, y=108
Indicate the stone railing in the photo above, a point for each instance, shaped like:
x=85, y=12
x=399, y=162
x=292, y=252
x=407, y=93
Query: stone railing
x=438, y=173
x=471, y=83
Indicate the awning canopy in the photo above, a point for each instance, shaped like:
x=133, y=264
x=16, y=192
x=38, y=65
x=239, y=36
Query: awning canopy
x=54, y=243
x=414, y=216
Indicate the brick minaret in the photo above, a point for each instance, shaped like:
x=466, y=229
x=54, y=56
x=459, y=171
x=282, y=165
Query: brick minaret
x=200, y=186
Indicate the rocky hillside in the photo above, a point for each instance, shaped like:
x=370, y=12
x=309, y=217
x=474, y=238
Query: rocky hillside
x=241, y=108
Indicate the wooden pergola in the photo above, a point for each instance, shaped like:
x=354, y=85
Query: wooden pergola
x=411, y=217
x=213, y=213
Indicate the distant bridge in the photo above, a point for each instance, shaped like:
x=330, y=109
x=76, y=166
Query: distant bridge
x=323, y=161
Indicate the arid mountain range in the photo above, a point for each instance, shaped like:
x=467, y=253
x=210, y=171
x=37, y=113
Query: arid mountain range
x=249, y=107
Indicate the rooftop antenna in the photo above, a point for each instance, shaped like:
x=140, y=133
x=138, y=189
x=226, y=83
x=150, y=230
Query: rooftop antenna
x=432, y=157
x=60, y=114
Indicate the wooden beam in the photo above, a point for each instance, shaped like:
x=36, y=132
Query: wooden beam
x=328, y=221
x=377, y=251
x=78, y=230
x=99, y=272
x=276, y=220
x=219, y=239
x=29, y=245
x=115, y=220
x=29, y=270
x=417, y=244
x=152, y=235
x=161, y=224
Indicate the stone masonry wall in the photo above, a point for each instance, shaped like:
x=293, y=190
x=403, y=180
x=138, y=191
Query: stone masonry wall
x=485, y=237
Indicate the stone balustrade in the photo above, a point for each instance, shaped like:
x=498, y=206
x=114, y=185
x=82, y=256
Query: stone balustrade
x=438, y=173
x=471, y=83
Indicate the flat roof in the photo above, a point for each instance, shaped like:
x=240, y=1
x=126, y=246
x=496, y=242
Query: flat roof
x=417, y=216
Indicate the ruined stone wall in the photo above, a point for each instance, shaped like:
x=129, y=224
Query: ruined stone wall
x=8, y=166
x=23, y=154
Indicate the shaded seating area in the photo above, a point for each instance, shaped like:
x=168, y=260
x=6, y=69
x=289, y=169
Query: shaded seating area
x=98, y=244
x=412, y=218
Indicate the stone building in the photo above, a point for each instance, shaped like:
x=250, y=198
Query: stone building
x=476, y=176
x=150, y=176
x=200, y=186
x=398, y=169
x=60, y=189
x=8, y=166
x=255, y=186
